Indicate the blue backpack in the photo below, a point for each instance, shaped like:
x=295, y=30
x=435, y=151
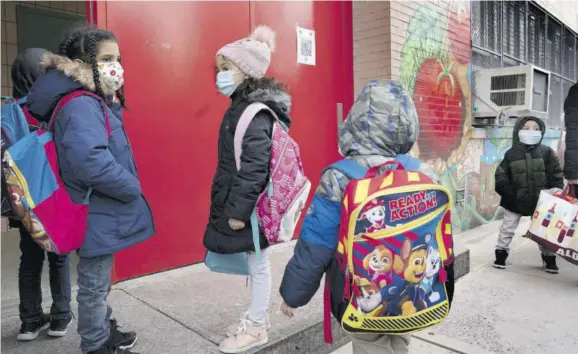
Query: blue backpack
x=15, y=125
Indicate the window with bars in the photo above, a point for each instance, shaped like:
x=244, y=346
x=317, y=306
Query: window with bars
x=554, y=46
x=486, y=26
x=568, y=54
x=556, y=101
x=511, y=33
x=536, y=36
x=514, y=20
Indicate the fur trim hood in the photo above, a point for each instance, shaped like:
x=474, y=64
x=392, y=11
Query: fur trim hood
x=280, y=97
x=275, y=98
x=79, y=71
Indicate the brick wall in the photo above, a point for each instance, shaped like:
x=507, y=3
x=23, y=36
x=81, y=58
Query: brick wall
x=10, y=35
x=426, y=45
x=371, y=42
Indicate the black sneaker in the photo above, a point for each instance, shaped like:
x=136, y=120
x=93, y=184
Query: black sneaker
x=501, y=256
x=58, y=327
x=550, y=264
x=121, y=340
x=30, y=330
x=111, y=350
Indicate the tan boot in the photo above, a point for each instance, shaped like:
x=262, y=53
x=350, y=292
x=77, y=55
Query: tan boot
x=232, y=329
x=248, y=336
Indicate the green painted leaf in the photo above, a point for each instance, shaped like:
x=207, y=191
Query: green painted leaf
x=425, y=38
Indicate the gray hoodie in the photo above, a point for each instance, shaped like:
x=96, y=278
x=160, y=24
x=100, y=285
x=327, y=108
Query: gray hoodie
x=381, y=124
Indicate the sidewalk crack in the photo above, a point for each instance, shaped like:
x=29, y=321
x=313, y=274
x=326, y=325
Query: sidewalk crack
x=167, y=315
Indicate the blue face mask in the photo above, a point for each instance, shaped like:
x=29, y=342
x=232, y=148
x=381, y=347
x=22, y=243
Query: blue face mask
x=530, y=137
x=226, y=83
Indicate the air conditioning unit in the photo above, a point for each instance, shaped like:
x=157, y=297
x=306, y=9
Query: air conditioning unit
x=509, y=92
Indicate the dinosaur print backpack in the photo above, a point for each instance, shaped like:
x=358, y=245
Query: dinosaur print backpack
x=395, y=238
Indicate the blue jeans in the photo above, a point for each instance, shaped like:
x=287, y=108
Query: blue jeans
x=94, y=283
x=29, y=280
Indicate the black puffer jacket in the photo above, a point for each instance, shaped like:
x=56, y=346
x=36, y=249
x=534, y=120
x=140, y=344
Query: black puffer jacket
x=571, y=122
x=234, y=194
x=525, y=171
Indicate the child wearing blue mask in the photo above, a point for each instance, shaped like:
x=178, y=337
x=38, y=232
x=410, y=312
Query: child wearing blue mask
x=241, y=68
x=528, y=167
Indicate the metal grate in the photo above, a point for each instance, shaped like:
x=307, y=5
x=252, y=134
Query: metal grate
x=568, y=54
x=508, y=98
x=486, y=25
x=512, y=33
x=566, y=85
x=514, y=20
x=536, y=36
x=556, y=99
x=485, y=60
x=554, y=46
x=508, y=82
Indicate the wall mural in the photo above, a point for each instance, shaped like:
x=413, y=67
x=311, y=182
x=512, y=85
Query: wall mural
x=436, y=69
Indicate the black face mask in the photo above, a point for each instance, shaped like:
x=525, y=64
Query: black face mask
x=26, y=69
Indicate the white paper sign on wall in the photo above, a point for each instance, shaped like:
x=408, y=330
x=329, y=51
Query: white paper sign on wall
x=305, y=46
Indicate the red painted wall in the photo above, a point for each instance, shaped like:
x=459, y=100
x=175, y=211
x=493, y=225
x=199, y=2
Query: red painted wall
x=174, y=109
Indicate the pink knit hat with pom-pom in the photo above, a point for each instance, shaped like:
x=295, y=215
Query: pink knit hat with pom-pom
x=252, y=55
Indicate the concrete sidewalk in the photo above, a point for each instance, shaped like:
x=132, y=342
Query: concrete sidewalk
x=519, y=310
x=186, y=310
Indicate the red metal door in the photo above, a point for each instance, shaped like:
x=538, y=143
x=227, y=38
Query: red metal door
x=173, y=118
x=316, y=90
x=174, y=111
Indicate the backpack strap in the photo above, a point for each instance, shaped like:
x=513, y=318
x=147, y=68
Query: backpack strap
x=409, y=163
x=349, y=167
x=68, y=97
x=352, y=170
x=63, y=102
x=30, y=119
x=246, y=118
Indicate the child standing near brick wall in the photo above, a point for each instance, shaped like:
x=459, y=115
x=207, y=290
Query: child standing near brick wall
x=528, y=167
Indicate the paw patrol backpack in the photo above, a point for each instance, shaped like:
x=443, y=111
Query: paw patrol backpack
x=395, y=238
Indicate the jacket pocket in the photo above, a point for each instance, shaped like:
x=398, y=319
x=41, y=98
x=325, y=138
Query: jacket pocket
x=220, y=192
x=132, y=218
x=120, y=149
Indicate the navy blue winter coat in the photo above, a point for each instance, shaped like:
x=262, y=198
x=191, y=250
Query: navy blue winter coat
x=119, y=216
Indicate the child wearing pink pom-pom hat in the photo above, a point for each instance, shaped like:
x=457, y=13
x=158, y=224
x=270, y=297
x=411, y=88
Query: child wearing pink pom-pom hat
x=241, y=68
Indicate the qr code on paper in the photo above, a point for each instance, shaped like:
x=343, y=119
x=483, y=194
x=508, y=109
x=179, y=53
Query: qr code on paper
x=306, y=47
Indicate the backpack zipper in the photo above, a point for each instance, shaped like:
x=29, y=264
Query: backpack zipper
x=281, y=154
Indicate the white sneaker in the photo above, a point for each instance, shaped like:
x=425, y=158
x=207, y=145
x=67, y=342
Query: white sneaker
x=232, y=329
x=248, y=336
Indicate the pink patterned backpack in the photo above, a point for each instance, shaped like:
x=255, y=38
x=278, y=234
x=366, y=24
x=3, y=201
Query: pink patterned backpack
x=278, y=208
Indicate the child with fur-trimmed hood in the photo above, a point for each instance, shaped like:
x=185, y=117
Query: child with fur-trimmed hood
x=382, y=126
x=241, y=67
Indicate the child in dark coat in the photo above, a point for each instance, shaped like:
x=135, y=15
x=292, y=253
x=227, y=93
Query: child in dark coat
x=528, y=167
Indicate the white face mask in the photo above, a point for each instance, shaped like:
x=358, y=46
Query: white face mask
x=226, y=82
x=530, y=137
x=111, y=73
